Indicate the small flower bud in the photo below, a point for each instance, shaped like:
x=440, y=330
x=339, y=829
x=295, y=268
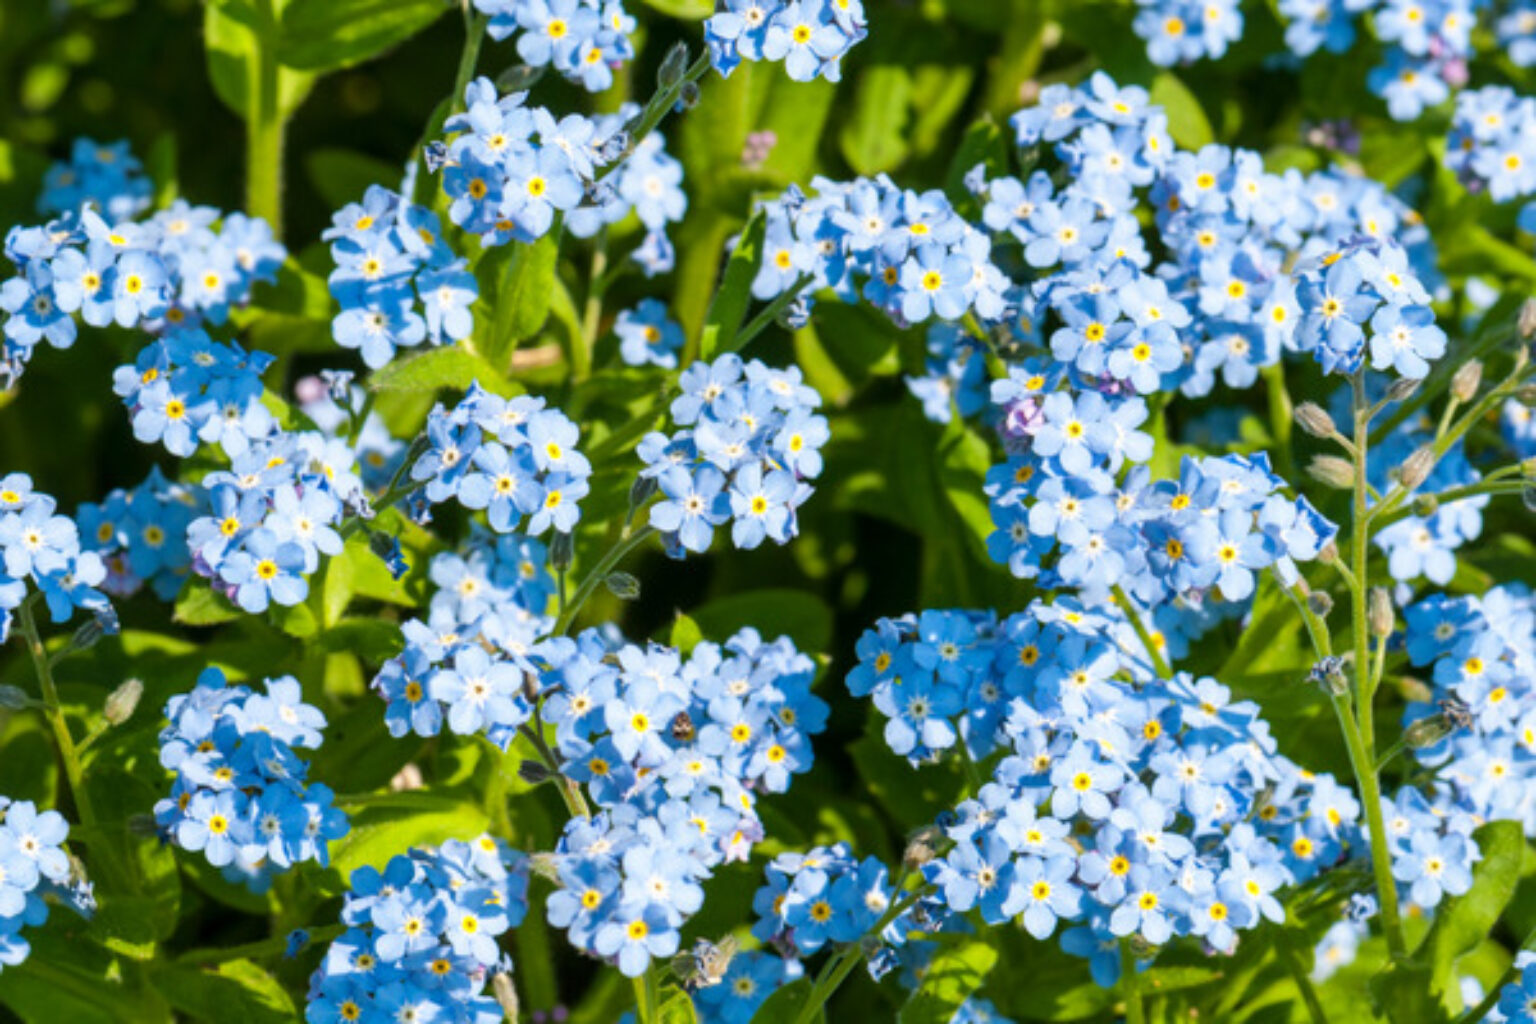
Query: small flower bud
x=1468, y=378
x=1425, y=505
x=531, y=687
x=435, y=156
x=640, y=492
x=1402, y=389
x=1528, y=468
x=519, y=78
x=623, y=586
x=1426, y=732
x=673, y=66
x=1329, y=674
x=687, y=97
x=1329, y=554
x=122, y=701
x=506, y=995
x=13, y=698
x=1314, y=419
x=1415, y=691
x=1381, y=615
x=90, y=632
x=1416, y=468
x=922, y=847
x=408, y=778
x=1527, y=322
x=562, y=549
x=1332, y=471
x=534, y=772
x=1320, y=603
x=545, y=865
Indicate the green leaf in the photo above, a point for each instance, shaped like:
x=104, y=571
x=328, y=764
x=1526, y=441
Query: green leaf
x=323, y=35
x=236, y=990
x=1187, y=123
x=298, y=620
x=678, y=1008
x=521, y=291
x=392, y=823
x=686, y=634
x=783, y=1007
x=199, y=605
x=438, y=368
x=1463, y=922
x=298, y=293
x=803, y=617
x=232, y=36
x=874, y=139
x=950, y=979
x=693, y=10
x=342, y=176
x=375, y=640
x=729, y=307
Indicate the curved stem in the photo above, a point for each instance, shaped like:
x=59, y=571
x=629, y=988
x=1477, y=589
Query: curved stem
x=599, y=572
x=656, y=109
x=68, y=752
x=1288, y=953
x=1130, y=981
x=1159, y=664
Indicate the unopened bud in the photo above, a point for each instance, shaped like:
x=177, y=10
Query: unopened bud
x=1329, y=553
x=1527, y=322
x=1314, y=419
x=534, y=772
x=922, y=847
x=1416, y=468
x=687, y=96
x=519, y=77
x=1320, y=603
x=90, y=632
x=1415, y=691
x=623, y=586
x=1468, y=378
x=506, y=995
x=531, y=687
x=1329, y=674
x=1425, y=505
x=13, y=698
x=546, y=866
x=562, y=550
x=640, y=492
x=123, y=701
x=1426, y=732
x=1402, y=389
x=673, y=66
x=1332, y=471
x=1528, y=468
x=1381, y=616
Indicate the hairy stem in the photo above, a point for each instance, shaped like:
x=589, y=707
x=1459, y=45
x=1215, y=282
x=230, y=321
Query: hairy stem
x=264, y=124
x=68, y=752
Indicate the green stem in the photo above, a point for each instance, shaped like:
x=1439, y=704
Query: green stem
x=264, y=125
x=594, y=579
x=1491, y=1000
x=592, y=315
x=469, y=57
x=657, y=109
x=648, y=996
x=1287, y=949
x=1131, y=983
x=1281, y=419
x=1359, y=734
x=68, y=752
x=835, y=971
x=768, y=314
x=1445, y=497
x=1159, y=664
x=570, y=791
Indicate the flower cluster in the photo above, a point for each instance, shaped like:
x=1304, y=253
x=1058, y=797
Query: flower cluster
x=751, y=977
x=141, y=535
x=1214, y=528
x=104, y=175
x=1478, y=725
x=908, y=253
x=1427, y=43
x=421, y=940
x=584, y=40
x=466, y=663
x=240, y=795
x=510, y=457
x=809, y=36
x=648, y=335
x=186, y=388
x=173, y=270
x=341, y=410
x=1180, y=31
x=391, y=259
x=32, y=860
x=38, y=545
x=823, y=895
x=1366, y=284
x=1517, y=1000
x=509, y=169
x=270, y=516
x=648, y=182
x=674, y=754
x=1183, y=818
x=749, y=442
x=1491, y=148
